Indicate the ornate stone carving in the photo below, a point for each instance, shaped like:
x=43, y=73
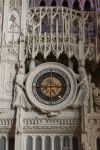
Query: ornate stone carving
x=14, y=21
x=48, y=121
x=20, y=99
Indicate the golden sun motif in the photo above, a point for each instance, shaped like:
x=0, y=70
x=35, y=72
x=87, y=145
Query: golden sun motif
x=51, y=86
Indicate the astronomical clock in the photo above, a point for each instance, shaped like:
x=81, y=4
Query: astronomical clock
x=50, y=86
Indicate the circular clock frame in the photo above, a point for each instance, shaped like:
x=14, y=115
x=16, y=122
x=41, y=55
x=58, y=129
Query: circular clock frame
x=51, y=86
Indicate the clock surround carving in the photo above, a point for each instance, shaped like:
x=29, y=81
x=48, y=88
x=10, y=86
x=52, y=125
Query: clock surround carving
x=51, y=86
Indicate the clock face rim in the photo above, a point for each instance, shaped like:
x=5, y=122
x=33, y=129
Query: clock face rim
x=44, y=66
x=64, y=88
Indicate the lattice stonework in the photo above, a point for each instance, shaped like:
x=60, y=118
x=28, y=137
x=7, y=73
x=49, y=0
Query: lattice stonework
x=59, y=30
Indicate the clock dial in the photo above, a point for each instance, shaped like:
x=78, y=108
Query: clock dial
x=51, y=86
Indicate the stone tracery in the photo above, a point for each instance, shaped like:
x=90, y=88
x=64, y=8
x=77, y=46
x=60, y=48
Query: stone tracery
x=77, y=36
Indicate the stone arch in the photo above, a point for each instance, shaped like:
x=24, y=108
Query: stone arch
x=38, y=143
x=47, y=143
x=87, y=5
x=63, y=59
x=29, y=143
x=65, y=3
x=53, y=3
x=42, y=3
x=57, y=143
x=66, y=142
x=76, y=5
x=46, y=24
x=51, y=58
x=39, y=59
x=3, y=143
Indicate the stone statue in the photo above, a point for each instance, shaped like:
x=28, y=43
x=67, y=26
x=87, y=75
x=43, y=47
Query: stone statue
x=83, y=88
x=19, y=93
x=82, y=96
x=96, y=95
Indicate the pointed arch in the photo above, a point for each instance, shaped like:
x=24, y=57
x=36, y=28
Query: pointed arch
x=65, y=3
x=38, y=144
x=63, y=59
x=53, y=3
x=29, y=143
x=39, y=59
x=2, y=143
x=76, y=5
x=87, y=5
x=66, y=142
x=42, y=3
x=48, y=143
x=51, y=58
x=57, y=143
x=73, y=64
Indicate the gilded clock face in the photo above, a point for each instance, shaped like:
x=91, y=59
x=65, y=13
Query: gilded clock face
x=51, y=86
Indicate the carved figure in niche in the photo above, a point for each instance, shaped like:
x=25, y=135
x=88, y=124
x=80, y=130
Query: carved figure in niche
x=14, y=22
x=96, y=95
x=83, y=88
x=20, y=99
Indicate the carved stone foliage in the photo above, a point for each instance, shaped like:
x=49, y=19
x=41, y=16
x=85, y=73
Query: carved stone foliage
x=30, y=121
x=14, y=21
x=50, y=125
x=6, y=124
